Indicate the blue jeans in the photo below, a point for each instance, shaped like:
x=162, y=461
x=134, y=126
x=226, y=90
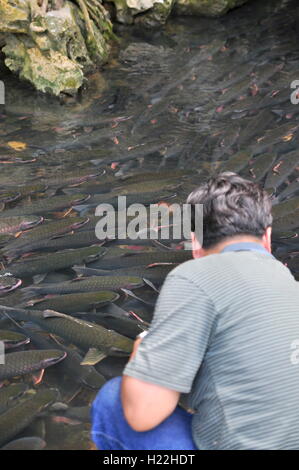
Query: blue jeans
x=110, y=430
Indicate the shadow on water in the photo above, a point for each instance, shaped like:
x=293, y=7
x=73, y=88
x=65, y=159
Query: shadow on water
x=172, y=107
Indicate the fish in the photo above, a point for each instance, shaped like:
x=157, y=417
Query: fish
x=19, y=223
x=41, y=264
x=154, y=176
x=284, y=133
x=146, y=186
x=239, y=89
x=12, y=339
x=285, y=208
x=46, y=205
x=89, y=188
x=255, y=126
x=285, y=222
x=70, y=303
x=284, y=167
x=75, y=178
x=124, y=325
x=265, y=71
x=237, y=162
x=81, y=333
x=80, y=413
x=71, y=365
x=261, y=165
x=8, y=283
x=15, y=419
x=143, y=259
x=90, y=284
x=9, y=393
x=156, y=274
x=30, y=189
x=5, y=239
x=293, y=264
x=26, y=362
x=26, y=443
x=113, y=199
x=291, y=190
x=9, y=196
x=38, y=237
x=68, y=241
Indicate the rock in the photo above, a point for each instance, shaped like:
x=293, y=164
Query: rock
x=158, y=13
x=206, y=7
x=50, y=72
x=54, y=49
x=155, y=12
x=14, y=16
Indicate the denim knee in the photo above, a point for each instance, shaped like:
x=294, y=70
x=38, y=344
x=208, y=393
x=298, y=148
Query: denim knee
x=109, y=395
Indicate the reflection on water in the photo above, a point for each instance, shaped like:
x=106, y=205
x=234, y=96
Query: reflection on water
x=172, y=107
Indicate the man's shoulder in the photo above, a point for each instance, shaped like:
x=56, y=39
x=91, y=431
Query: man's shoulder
x=225, y=265
x=200, y=266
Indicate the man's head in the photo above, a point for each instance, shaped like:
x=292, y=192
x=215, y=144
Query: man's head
x=234, y=209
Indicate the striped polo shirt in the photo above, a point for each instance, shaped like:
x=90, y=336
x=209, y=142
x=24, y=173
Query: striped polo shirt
x=226, y=331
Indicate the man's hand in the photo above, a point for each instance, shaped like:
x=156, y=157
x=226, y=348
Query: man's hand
x=145, y=404
x=135, y=347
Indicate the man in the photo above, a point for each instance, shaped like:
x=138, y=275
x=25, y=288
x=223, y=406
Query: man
x=224, y=330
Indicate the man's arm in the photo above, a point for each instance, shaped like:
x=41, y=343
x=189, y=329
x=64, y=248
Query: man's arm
x=146, y=405
x=169, y=357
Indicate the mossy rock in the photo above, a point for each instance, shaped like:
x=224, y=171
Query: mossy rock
x=49, y=71
x=14, y=16
x=53, y=50
x=206, y=7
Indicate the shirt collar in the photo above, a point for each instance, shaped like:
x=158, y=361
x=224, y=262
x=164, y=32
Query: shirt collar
x=246, y=246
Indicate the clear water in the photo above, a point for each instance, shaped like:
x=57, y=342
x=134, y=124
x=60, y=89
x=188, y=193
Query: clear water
x=188, y=96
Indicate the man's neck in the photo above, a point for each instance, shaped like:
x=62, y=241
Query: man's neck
x=220, y=246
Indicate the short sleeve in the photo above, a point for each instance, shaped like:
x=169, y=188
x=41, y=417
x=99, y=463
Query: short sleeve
x=172, y=352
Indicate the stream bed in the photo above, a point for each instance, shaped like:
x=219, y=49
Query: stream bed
x=173, y=106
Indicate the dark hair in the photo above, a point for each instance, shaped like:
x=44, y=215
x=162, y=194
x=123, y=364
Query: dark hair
x=232, y=206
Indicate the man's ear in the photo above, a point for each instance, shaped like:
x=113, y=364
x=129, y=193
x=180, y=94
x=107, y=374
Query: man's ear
x=197, y=250
x=267, y=239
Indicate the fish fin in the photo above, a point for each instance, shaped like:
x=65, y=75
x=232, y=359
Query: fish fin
x=52, y=313
x=51, y=192
x=37, y=379
x=54, y=338
x=77, y=269
x=32, y=302
x=28, y=292
x=79, y=278
x=93, y=356
x=115, y=310
x=153, y=265
x=38, y=278
x=62, y=235
x=150, y=284
x=131, y=294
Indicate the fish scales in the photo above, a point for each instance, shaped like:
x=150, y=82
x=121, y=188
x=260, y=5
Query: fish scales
x=20, y=416
x=71, y=303
x=34, y=265
x=91, y=284
x=25, y=362
x=83, y=334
